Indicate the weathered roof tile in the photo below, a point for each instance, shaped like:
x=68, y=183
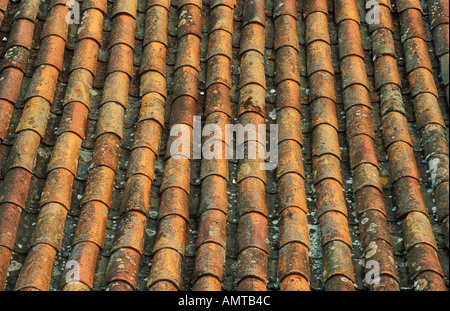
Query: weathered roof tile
x=88, y=114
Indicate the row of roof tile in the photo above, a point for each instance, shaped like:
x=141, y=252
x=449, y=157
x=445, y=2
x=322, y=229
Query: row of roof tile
x=439, y=15
x=89, y=236
x=368, y=189
x=211, y=241
x=169, y=247
x=419, y=240
x=39, y=97
x=337, y=267
x=128, y=247
x=293, y=267
x=253, y=248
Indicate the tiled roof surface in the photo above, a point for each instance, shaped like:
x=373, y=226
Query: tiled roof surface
x=93, y=198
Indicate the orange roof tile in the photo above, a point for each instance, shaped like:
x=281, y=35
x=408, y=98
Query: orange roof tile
x=96, y=193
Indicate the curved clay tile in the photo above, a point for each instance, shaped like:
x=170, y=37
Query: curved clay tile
x=251, y=272
x=361, y=140
x=170, y=239
x=128, y=246
x=3, y=6
x=293, y=264
x=89, y=236
x=41, y=89
x=211, y=239
x=92, y=196
x=62, y=168
x=15, y=61
x=439, y=18
x=404, y=171
x=337, y=268
x=425, y=99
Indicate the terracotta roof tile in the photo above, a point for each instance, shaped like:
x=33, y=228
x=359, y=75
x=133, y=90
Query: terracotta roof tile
x=61, y=170
x=406, y=179
x=16, y=57
x=326, y=157
x=89, y=180
x=171, y=232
